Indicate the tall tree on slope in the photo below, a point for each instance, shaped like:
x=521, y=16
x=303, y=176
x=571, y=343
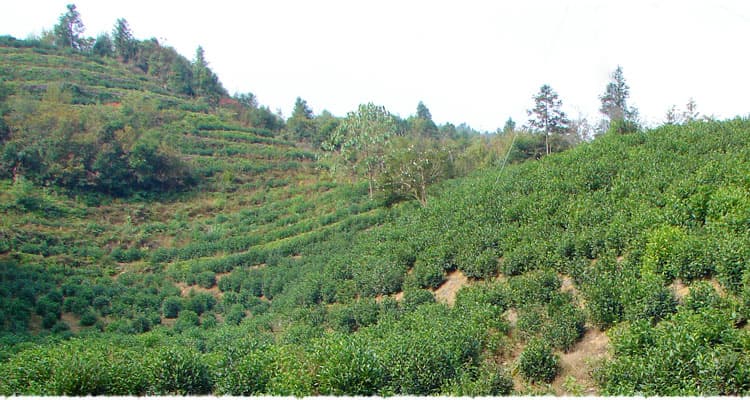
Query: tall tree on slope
x=547, y=115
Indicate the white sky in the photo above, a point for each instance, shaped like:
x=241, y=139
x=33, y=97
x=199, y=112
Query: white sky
x=469, y=61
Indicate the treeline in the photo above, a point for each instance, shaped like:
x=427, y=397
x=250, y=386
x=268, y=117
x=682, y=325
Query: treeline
x=180, y=75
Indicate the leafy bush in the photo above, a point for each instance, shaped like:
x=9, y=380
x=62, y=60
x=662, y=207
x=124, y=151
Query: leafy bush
x=206, y=279
x=178, y=371
x=706, y=356
x=172, y=306
x=348, y=366
x=534, y=287
x=235, y=315
x=427, y=274
x=413, y=298
x=538, y=363
x=186, y=319
x=560, y=323
x=246, y=376
x=483, y=381
x=602, y=287
x=379, y=278
x=647, y=298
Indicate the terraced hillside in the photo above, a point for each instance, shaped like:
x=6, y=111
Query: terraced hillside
x=155, y=243
x=115, y=259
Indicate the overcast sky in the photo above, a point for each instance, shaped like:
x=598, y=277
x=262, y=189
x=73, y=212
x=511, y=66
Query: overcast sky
x=478, y=62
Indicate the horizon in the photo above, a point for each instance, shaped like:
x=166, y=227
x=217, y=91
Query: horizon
x=477, y=64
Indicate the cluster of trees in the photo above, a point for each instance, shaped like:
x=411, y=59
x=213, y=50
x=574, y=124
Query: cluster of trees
x=114, y=152
x=559, y=132
x=399, y=157
x=178, y=74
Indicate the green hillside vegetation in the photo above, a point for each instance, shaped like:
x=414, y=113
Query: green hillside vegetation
x=160, y=237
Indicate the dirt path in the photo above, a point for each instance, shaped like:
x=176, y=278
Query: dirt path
x=579, y=362
x=454, y=281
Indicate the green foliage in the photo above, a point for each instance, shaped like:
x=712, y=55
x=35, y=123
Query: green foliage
x=172, y=306
x=537, y=362
x=413, y=298
x=247, y=376
x=69, y=29
x=547, y=115
x=427, y=274
x=179, y=371
x=186, y=319
x=482, y=381
x=75, y=368
x=348, y=366
x=602, y=287
x=411, y=166
x=692, y=353
x=361, y=138
x=559, y=323
x=534, y=287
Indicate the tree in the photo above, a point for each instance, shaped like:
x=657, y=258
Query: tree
x=205, y=82
x=361, y=140
x=547, y=115
x=422, y=124
x=103, y=46
x=510, y=126
x=69, y=29
x=300, y=125
x=691, y=111
x=411, y=167
x=672, y=117
x=125, y=45
x=615, y=103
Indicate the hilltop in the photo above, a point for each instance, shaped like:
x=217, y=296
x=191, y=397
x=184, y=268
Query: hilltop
x=210, y=247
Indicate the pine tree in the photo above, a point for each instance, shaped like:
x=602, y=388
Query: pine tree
x=547, y=115
x=300, y=125
x=615, y=103
x=125, y=45
x=422, y=124
x=69, y=29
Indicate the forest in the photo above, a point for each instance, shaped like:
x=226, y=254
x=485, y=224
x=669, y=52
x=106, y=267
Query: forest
x=160, y=236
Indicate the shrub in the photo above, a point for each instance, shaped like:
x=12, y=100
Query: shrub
x=538, y=363
x=481, y=264
x=347, y=366
x=178, y=371
x=566, y=323
x=201, y=302
x=413, y=298
x=691, y=353
x=381, y=277
x=206, y=279
x=702, y=296
x=235, y=315
x=186, y=320
x=534, y=287
x=732, y=257
x=427, y=274
x=646, y=298
x=171, y=306
x=88, y=318
x=483, y=381
x=247, y=376
x=602, y=287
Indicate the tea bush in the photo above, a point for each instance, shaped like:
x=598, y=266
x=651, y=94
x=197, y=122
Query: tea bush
x=537, y=362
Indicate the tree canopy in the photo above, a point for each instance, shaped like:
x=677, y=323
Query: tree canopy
x=547, y=115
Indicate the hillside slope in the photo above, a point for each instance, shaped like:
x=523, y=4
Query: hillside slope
x=238, y=267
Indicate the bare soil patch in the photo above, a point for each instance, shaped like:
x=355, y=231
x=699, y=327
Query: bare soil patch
x=73, y=321
x=680, y=289
x=454, y=281
x=580, y=361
